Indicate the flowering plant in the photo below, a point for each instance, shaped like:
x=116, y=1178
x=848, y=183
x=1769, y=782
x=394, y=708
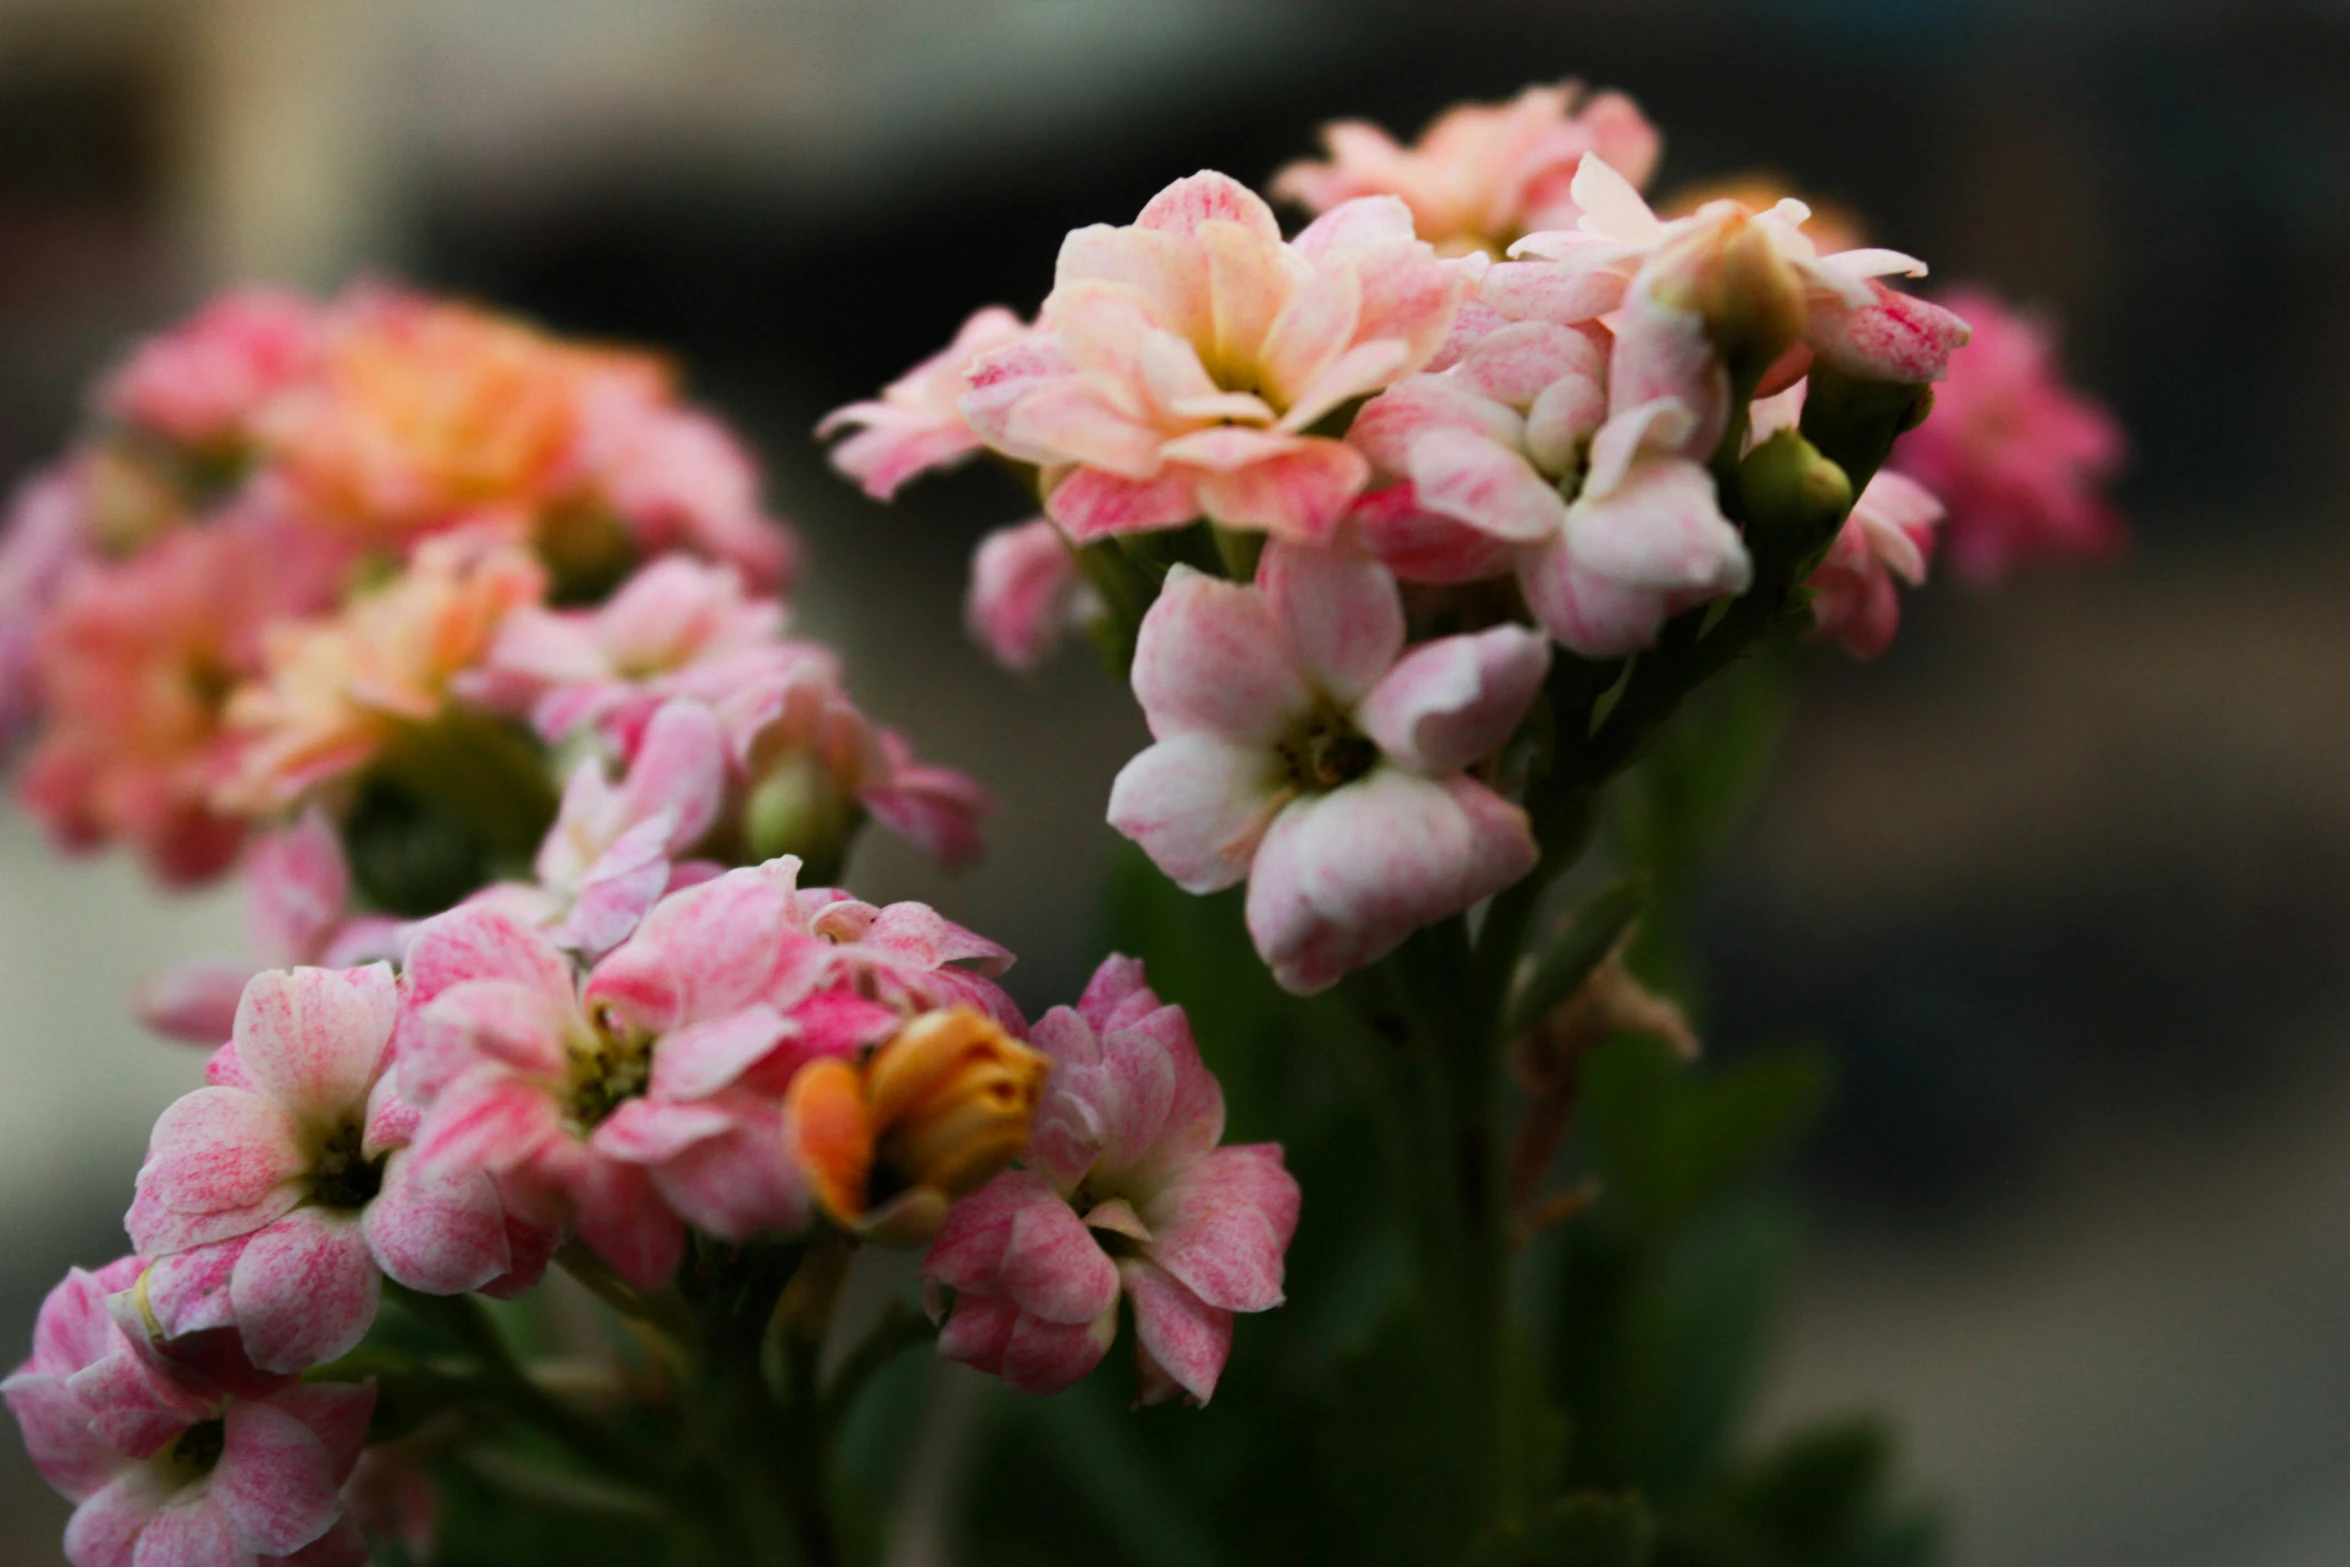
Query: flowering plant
x=1447, y=543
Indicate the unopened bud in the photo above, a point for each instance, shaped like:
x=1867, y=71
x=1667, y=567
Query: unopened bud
x=796, y=806
x=1794, y=500
x=935, y=1112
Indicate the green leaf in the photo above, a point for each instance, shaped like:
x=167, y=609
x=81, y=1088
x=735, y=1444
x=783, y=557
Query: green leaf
x=1576, y=1531
x=1581, y=945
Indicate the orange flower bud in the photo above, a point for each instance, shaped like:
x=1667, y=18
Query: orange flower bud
x=935, y=1112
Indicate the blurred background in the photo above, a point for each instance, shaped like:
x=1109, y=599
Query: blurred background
x=2066, y=877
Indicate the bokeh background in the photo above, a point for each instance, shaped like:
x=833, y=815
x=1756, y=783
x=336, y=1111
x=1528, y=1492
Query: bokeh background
x=2066, y=877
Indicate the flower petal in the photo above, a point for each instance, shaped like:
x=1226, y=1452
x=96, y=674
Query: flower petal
x=314, y=1039
x=305, y=1290
x=1181, y=1341
x=1198, y=805
x=275, y=1482
x=1451, y=701
x=1210, y=659
x=1340, y=615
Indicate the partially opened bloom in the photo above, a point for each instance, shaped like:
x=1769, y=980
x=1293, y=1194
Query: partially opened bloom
x=1183, y=361
x=337, y=690
x=917, y=424
x=138, y=660
x=205, y=383
x=905, y=957
x=1481, y=174
x=167, y=1468
x=2017, y=454
x=1025, y=593
x=1301, y=747
x=1125, y=1192
x=298, y=913
x=276, y=1200
x=1888, y=538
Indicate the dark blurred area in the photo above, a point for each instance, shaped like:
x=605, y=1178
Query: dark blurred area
x=2065, y=877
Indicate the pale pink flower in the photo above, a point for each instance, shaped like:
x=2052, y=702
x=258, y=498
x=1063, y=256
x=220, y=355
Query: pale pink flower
x=202, y=384
x=917, y=424
x=1299, y=746
x=614, y=846
x=1125, y=1193
x=1026, y=592
x=1722, y=267
x=138, y=661
x=338, y=689
x=1481, y=174
x=297, y=914
x=1888, y=537
x=625, y=1108
x=1183, y=360
x=276, y=1199
x=2018, y=455
x=679, y=479
x=168, y=1468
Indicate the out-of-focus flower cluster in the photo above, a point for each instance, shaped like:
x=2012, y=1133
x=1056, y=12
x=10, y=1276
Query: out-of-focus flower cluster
x=1484, y=412
x=418, y=569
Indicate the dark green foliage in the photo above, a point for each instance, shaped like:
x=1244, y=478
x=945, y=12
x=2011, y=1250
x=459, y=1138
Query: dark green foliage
x=1590, y=1530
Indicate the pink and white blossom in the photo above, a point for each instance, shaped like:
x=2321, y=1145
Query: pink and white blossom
x=168, y=1468
x=1300, y=747
x=917, y=424
x=2019, y=456
x=1125, y=1192
x=276, y=1199
x=1888, y=538
x=1026, y=592
x=1481, y=174
x=1183, y=361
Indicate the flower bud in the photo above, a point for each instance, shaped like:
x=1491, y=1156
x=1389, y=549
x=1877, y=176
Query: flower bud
x=796, y=805
x=1731, y=272
x=935, y=1112
x=1794, y=499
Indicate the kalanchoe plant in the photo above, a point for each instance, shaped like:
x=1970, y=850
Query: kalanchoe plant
x=1448, y=545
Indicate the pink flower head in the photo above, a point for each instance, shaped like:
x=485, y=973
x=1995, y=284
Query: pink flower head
x=168, y=1469
x=276, y=1199
x=1888, y=537
x=917, y=424
x=647, y=1099
x=1299, y=746
x=1025, y=594
x=47, y=539
x=138, y=661
x=2017, y=454
x=297, y=913
x=612, y=849
x=1126, y=1193
x=1481, y=174
x=1724, y=268
x=905, y=958
x=1183, y=359
x=203, y=383
x=679, y=479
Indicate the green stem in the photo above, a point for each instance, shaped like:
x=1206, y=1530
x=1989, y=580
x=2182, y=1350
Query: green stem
x=899, y=1330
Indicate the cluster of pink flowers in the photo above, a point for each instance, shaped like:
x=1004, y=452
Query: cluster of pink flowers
x=451, y=1124
x=300, y=535
x=1486, y=390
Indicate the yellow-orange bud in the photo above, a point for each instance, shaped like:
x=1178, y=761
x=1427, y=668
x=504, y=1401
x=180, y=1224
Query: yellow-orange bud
x=936, y=1111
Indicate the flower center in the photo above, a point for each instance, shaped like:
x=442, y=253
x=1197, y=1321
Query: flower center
x=610, y=1066
x=1327, y=751
x=343, y=1176
x=199, y=1448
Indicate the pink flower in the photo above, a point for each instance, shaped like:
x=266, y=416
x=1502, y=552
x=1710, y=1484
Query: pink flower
x=1025, y=593
x=680, y=480
x=1724, y=273
x=1889, y=536
x=171, y=1469
x=1126, y=1193
x=138, y=661
x=1183, y=360
x=2017, y=454
x=904, y=957
x=276, y=1199
x=203, y=383
x=297, y=913
x=47, y=538
x=1301, y=747
x=644, y=1100
x=917, y=424
x=1481, y=174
